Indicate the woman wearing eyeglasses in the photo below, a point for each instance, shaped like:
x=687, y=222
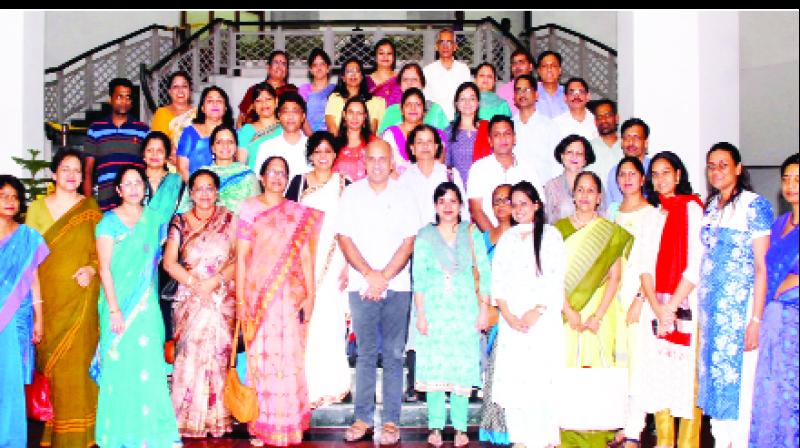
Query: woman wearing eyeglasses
x=574, y=153
x=275, y=293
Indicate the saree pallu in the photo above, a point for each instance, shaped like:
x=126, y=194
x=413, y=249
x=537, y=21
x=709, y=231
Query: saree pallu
x=327, y=370
x=237, y=183
x=20, y=254
x=775, y=411
x=70, y=323
x=134, y=406
x=389, y=90
x=274, y=286
x=592, y=251
x=203, y=327
x=178, y=123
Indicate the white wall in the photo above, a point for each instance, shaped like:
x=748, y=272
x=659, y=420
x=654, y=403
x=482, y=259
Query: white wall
x=70, y=33
x=769, y=68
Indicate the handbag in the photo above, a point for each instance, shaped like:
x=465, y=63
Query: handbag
x=37, y=398
x=594, y=398
x=493, y=314
x=241, y=400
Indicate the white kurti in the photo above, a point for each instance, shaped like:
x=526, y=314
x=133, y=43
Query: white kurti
x=528, y=365
x=669, y=370
x=327, y=370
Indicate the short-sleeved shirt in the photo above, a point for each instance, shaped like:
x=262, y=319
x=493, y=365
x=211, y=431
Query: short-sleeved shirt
x=112, y=148
x=194, y=147
x=315, y=105
x=550, y=105
x=487, y=173
x=377, y=223
x=606, y=157
x=422, y=188
x=295, y=154
x=535, y=144
x=376, y=106
x=568, y=125
x=506, y=92
x=441, y=84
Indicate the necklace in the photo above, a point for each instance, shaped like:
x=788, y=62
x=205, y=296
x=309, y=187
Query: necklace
x=194, y=213
x=581, y=223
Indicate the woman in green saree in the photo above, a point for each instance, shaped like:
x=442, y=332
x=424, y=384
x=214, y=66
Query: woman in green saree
x=66, y=219
x=595, y=247
x=134, y=406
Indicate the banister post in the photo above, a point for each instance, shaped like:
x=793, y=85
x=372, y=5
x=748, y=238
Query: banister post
x=232, y=42
x=60, y=96
x=216, y=37
x=121, y=60
x=328, y=43
x=195, y=62
x=155, y=46
x=280, y=39
x=88, y=82
x=428, y=41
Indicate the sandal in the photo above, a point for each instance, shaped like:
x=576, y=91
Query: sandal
x=461, y=439
x=358, y=431
x=435, y=438
x=255, y=441
x=390, y=434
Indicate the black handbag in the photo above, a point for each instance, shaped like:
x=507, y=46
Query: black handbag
x=170, y=288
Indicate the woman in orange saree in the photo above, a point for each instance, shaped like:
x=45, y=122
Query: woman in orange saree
x=275, y=297
x=69, y=287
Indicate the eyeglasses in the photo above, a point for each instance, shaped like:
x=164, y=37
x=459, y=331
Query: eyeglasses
x=501, y=201
x=445, y=43
x=523, y=89
x=576, y=92
x=352, y=71
x=277, y=174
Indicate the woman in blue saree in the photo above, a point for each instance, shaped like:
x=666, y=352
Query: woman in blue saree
x=134, y=406
x=22, y=249
x=775, y=412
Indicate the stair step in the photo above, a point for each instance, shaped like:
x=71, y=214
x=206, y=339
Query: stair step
x=412, y=415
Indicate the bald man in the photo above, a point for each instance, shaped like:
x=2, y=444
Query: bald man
x=378, y=221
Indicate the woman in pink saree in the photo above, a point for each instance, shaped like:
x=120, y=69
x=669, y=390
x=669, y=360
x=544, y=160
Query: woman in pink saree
x=275, y=298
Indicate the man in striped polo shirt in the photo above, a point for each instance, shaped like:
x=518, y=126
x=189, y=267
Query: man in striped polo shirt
x=111, y=144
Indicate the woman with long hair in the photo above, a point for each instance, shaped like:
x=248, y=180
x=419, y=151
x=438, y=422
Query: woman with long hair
x=317, y=91
x=327, y=370
x=200, y=256
x=671, y=269
x=351, y=142
x=530, y=256
x=173, y=117
x=262, y=124
x=383, y=80
x=775, y=413
x=449, y=316
x=194, y=149
x=352, y=83
x=66, y=219
x=22, y=250
x=595, y=250
x=133, y=406
x=733, y=287
x=467, y=135
x=275, y=293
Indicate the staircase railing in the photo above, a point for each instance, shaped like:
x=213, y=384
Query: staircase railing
x=581, y=55
x=79, y=83
x=222, y=47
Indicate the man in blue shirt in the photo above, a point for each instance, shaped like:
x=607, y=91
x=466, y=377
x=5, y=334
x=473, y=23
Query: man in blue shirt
x=551, y=100
x=635, y=133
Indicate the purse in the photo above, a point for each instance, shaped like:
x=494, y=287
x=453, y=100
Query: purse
x=238, y=398
x=37, y=398
x=493, y=314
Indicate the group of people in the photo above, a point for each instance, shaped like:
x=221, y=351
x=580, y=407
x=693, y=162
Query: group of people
x=412, y=203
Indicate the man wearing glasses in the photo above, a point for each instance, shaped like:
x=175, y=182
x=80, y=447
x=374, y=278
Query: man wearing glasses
x=577, y=119
x=445, y=74
x=551, y=101
x=536, y=134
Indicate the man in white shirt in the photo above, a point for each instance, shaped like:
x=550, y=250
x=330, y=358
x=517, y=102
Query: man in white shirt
x=291, y=144
x=502, y=167
x=445, y=74
x=608, y=146
x=521, y=64
x=577, y=119
x=377, y=224
x=536, y=135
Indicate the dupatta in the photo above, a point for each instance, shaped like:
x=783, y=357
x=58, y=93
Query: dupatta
x=673, y=251
x=274, y=267
x=591, y=251
x=20, y=254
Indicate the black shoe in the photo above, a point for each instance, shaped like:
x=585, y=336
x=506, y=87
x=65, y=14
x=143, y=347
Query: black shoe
x=410, y=396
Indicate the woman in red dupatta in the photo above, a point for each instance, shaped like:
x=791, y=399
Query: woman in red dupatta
x=274, y=300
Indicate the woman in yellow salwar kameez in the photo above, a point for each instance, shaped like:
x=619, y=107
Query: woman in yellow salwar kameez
x=595, y=247
x=69, y=285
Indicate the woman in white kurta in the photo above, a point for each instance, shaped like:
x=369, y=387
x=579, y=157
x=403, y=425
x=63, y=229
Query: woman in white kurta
x=530, y=354
x=327, y=371
x=671, y=270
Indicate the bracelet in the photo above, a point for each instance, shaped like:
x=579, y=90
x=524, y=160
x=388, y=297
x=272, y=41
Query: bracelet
x=755, y=319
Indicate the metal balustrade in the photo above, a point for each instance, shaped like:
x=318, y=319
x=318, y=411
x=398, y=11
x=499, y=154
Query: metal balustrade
x=79, y=83
x=581, y=55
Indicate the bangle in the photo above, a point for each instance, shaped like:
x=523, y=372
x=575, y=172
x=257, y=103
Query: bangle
x=37, y=301
x=114, y=312
x=755, y=319
x=190, y=280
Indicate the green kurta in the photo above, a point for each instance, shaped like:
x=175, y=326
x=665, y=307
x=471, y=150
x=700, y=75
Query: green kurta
x=434, y=116
x=448, y=358
x=491, y=105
